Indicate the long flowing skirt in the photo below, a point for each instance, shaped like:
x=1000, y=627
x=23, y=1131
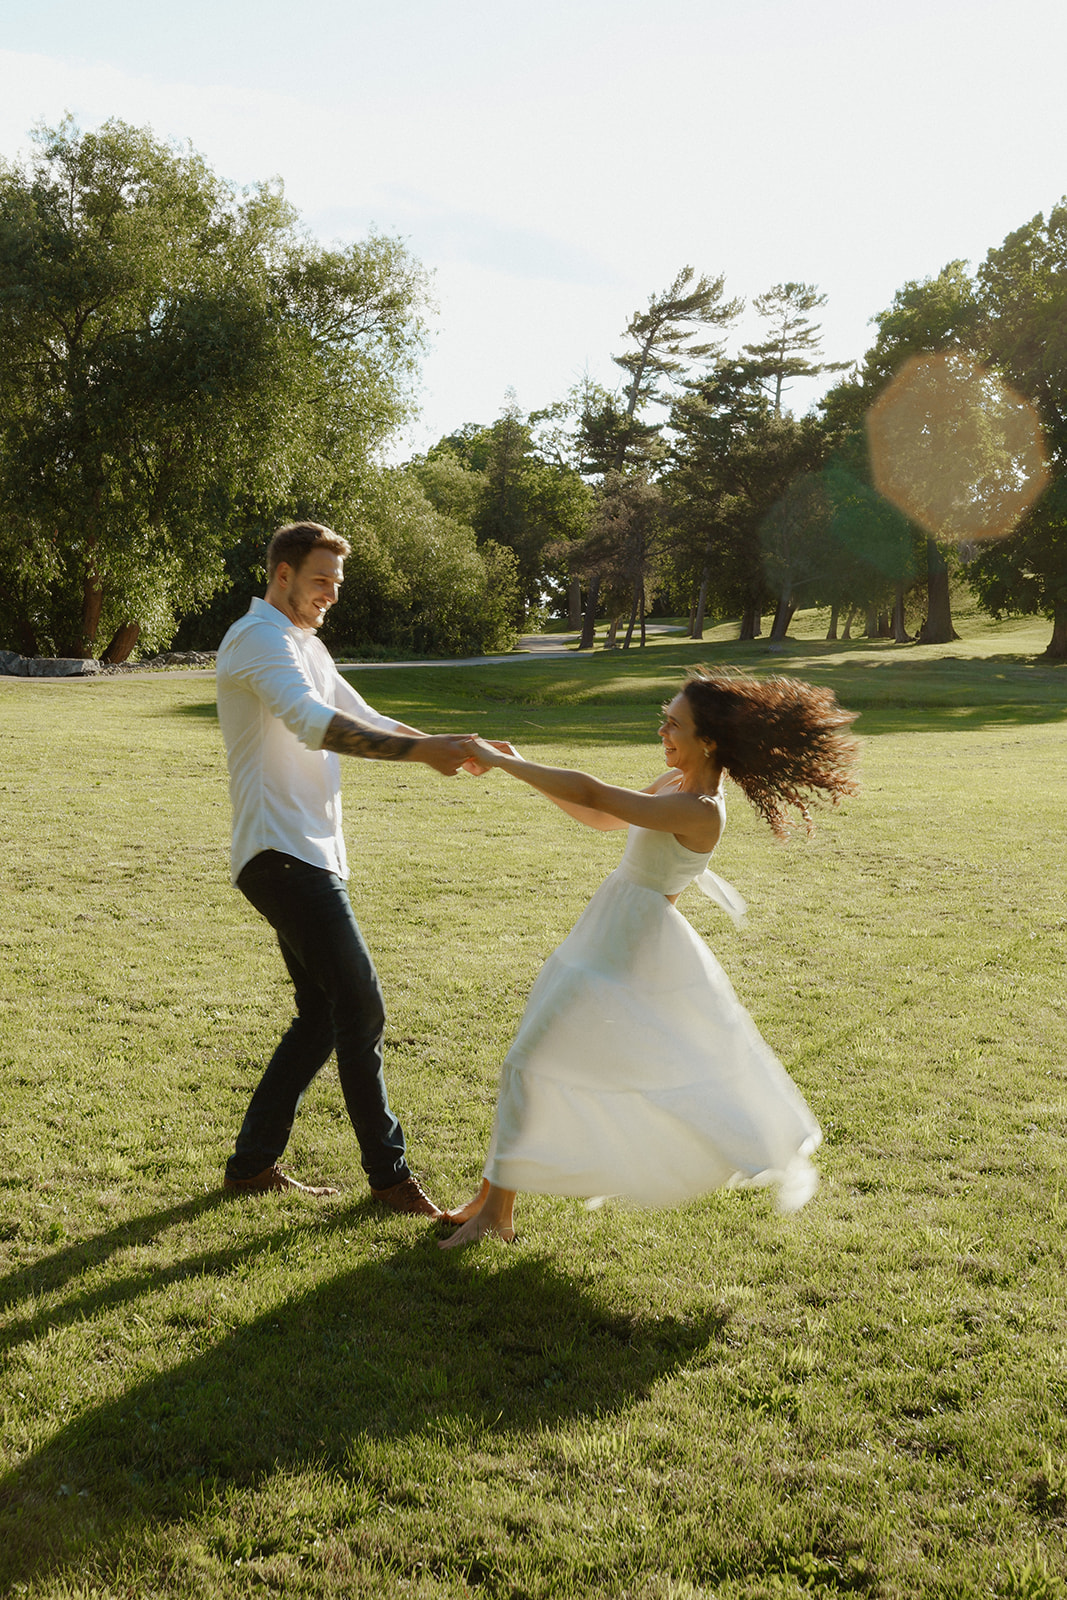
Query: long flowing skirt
x=637, y=1072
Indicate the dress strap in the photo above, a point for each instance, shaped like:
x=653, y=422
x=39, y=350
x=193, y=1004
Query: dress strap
x=724, y=894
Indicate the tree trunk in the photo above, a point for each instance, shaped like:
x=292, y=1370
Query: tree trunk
x=900, y=632
x=1057, y=645
x=574, y=603
x=831, y=632
x=692, y=617
x=27, y=636
x=92, y=605
x=750, y=622
x=871, y=630
x=613, y=628
x=122, y=643
x=644, y=639
x=937, y=629
x=783, y=616
x=846, y=631
x=633, y=617
x=696, y=630
x=589, y=625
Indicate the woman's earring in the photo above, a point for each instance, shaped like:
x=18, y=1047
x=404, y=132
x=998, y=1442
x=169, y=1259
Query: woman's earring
x=706, y=751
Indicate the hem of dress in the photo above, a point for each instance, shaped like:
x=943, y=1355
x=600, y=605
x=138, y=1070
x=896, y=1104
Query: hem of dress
x=794, y=1186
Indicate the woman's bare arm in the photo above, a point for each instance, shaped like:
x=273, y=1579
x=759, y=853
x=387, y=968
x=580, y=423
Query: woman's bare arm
x=603, y=820
x=695, y=824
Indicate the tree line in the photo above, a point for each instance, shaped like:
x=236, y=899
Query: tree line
x=695, y=487
x=185, y=368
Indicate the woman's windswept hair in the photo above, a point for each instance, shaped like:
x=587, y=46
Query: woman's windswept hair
x=782, y=741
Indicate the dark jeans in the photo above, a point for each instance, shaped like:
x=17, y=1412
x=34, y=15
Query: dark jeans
x=339, y=1007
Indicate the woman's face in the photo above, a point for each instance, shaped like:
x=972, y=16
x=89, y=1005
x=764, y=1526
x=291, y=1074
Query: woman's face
x=682, y=748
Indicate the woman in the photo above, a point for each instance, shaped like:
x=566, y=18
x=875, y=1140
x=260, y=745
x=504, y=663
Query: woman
x=635, y=1070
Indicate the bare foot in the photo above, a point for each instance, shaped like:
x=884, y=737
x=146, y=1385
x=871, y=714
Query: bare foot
x=492, y=1211
x=477, y=1227
x=471, y=1209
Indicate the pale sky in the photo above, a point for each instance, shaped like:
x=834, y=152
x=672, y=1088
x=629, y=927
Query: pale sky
x=555, y=162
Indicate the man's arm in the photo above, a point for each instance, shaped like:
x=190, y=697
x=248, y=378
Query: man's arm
x=349, y=737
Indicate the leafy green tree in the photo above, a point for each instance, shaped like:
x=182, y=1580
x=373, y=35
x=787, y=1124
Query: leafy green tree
x=779, y=502
x=875, y=553
x=926, y=316
x=707, y=421
x=1022, y=294
x=795, y=540
x=566, y=436
x=451, y=486
x=181, y=363
x=496, y=479
x=733, y=463
x=419, y=580
x=624, y=544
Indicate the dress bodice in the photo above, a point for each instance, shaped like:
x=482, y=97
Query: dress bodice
x=657, y=861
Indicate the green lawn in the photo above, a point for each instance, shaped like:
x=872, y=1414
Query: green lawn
x=217, y=1398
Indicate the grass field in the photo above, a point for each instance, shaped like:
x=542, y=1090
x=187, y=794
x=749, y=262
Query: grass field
x=209, y=1397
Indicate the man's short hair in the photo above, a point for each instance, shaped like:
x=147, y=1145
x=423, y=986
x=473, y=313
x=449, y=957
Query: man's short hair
x=295, y=542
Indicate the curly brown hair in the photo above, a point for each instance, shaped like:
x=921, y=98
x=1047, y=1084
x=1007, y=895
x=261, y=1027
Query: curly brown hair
x=782, y=741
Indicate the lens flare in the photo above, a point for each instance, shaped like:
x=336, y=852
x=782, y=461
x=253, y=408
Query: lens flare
x=955, y=449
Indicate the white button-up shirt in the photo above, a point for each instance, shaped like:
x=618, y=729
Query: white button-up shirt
x=278, y=690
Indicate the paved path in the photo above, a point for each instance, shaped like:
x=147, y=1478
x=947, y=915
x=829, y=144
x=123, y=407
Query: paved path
x=531, y=647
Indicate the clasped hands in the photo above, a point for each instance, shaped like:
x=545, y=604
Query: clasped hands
x=449, y=753
x=485, y=753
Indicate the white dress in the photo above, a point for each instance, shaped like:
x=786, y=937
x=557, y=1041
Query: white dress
x=636, y=1071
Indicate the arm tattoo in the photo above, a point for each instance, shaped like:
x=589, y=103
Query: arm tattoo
x=351, y=738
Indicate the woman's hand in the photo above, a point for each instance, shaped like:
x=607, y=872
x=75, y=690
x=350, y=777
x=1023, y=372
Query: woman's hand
x=485, y=753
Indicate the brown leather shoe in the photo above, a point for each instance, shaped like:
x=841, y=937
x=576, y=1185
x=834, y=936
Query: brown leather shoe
x=407, y=1197
x=273, y=1178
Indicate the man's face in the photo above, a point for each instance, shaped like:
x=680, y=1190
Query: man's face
x=308, y=593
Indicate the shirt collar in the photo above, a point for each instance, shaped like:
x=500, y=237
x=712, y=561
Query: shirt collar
x=267, y=613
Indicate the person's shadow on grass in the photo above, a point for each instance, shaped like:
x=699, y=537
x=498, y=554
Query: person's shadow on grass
x=76, y=1262
x=402, y=1345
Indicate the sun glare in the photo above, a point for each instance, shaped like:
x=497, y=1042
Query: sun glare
x=955, y=449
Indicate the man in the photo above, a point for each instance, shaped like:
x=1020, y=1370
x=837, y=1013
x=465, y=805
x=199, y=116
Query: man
x=286, y=714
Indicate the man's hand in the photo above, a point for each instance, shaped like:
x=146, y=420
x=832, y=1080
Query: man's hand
x=477, y=766
x=444, y=752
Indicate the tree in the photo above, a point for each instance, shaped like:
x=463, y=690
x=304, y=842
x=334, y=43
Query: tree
x=1022, y=294
x=181, y=363
x=664, y=346
x=565, y=436
x=874, y=552
x=419, y=580
x=734, y=461
x=707, y=421
x=925, y=317
x=794, y=339
x=624, y=542
x=495, y=479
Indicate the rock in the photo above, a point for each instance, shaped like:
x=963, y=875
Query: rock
x=13, y=665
